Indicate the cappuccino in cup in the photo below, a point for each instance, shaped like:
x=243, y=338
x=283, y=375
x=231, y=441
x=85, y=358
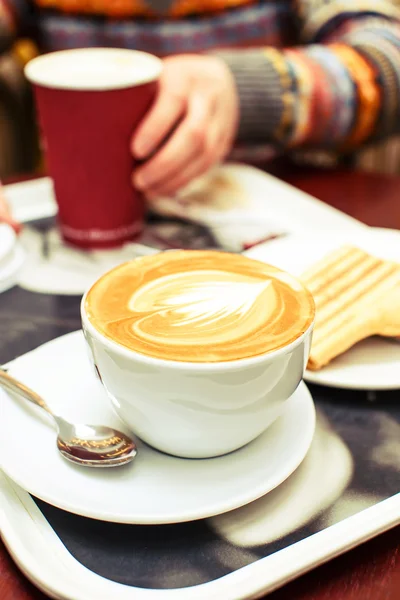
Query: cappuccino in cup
x=198, y=350
x=199, y=306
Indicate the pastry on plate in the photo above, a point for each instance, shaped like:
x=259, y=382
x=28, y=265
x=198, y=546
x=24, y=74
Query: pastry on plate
x=357, y=296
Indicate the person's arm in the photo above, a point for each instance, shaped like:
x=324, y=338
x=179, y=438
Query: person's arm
x=14, y=15
x=336, y=90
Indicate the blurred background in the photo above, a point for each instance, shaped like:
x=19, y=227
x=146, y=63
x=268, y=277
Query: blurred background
x=19, y=147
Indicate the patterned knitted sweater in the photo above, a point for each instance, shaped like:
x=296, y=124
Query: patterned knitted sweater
x=310, y=73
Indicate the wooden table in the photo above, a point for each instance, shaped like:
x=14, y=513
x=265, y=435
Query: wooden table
x=372, y=571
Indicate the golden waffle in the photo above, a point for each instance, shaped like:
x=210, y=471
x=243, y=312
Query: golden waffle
x=356, y=296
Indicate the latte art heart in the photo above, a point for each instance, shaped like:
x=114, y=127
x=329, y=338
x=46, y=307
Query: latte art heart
x=199, y=306
x=207, y=306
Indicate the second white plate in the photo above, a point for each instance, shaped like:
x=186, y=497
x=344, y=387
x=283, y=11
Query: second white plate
x=373, y=364
x=155, y=488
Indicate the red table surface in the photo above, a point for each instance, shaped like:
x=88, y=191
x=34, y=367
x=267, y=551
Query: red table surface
x=371, y=571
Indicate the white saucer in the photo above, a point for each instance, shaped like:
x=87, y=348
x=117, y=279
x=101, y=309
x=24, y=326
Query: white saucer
x=155, y=488
x=11, y=258
x=373, y=364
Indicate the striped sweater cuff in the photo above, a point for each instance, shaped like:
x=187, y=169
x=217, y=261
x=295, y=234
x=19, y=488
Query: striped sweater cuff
x=260, y=93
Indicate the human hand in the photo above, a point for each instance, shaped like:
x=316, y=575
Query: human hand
x=5, y=214
x=191, y=126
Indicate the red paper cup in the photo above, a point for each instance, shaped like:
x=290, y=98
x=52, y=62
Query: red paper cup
x=90, y=102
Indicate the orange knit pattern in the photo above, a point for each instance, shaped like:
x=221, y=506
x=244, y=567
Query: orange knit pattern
x=368, y=91
x=135, y=8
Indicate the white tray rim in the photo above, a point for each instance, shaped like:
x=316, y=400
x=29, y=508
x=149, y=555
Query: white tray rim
x=42, y=557
x=35, y=199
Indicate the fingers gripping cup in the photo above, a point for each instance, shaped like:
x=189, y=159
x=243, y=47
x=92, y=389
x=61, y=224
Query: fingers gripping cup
x=198, y=350
x=90, y=101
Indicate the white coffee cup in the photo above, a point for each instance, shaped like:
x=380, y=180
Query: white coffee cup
x=197, y=410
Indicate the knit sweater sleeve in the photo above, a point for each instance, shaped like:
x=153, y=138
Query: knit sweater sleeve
x=14, y=17
x=337, y=89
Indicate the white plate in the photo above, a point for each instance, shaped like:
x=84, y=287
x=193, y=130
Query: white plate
x=373, y=364
x=30, y=200
x=7, y=244
x=12, y=258
x=155, y=488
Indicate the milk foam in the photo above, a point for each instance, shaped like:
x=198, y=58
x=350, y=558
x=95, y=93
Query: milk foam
x=199, y=306
x=93, y=69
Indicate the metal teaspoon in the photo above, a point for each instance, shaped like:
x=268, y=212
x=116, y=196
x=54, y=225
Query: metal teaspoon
x=88, y=445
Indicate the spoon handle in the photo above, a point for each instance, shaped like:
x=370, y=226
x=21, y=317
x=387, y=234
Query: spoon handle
x=13, y=385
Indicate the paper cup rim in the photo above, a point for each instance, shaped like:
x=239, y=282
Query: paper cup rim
x=36, y=73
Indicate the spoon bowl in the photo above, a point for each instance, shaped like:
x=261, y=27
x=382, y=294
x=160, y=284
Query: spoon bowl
x=86, y=445
x=94, y=445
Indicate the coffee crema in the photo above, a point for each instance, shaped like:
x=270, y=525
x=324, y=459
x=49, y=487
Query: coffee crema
x=199, y=306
